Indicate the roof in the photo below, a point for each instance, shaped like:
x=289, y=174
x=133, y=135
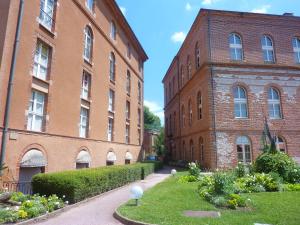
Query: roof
x=127, y=28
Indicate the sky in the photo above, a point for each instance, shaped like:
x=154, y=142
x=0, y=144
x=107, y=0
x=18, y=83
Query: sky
x=161, y=27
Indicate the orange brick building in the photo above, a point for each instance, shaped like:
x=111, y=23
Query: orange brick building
x=233, y=70
x=77, y=92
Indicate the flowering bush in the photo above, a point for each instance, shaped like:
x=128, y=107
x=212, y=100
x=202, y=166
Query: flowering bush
x=187, y=179
x=194, y=169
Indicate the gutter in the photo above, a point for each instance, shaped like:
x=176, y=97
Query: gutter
x=11, y=83
x=212, y=91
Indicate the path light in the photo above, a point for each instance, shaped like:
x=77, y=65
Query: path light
x=173, y=172
x=136, y=193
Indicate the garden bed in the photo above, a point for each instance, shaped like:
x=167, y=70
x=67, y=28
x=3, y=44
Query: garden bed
x=165, y=203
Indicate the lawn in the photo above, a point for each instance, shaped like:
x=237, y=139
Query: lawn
x=164, y=204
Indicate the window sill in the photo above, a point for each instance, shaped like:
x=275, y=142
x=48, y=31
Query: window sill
x=47, y=29
x=112, y=112
x=88, y=61
x=112, y=81
x=241, y=118
x=88, y=100
x=41, y=80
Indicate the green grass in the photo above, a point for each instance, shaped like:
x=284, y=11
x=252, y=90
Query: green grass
x=164, y=204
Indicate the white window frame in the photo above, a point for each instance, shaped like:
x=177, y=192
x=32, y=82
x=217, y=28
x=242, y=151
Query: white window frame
x=90, y=5
x=113, y=30
x=85, y=85
x=111, y=100
x=127, y=110
x=268, y=49
x=296, y=49
x=84, y=126
x=33, y=111
x=236, y=47
x=88, y=44
x=112, y=67
x=240, y=101
x=46, y=13
x=273, y=102
x=110, y=129
x=280, y=142
x=127, y=134
x=41, y=60
x=128, y=83
x=244, y=142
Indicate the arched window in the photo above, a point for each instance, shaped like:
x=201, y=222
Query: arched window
x=280, y=144
x=83, y=160
x=183, y=151
x=199, y=105
x=243, y=149
x=268, y=49
x=296, y=48
x=190, y=112
x=191, y=151
x=240, y=102
x=128, y=82
x=197, y=55
x=112, y=67
x=113, y=30
x=88, y=43
x=90, y=5
x=236, y=47
x=183, y=116
x=201, y=148
x=189, y=68
x=274, y=104
x=111, y=158
x=182, y=76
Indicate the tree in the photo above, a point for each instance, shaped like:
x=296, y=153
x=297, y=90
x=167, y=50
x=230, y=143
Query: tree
x=159, y=144
x=151, y=121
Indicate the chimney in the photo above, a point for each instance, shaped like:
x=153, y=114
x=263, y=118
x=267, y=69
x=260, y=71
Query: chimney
x=288, y=14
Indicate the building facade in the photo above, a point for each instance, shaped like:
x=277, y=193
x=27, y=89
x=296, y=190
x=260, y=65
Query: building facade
x=77, y=92
x=150, y=136
x=234, y=70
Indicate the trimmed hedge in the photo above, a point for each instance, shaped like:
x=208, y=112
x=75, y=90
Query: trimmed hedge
x=78, y=185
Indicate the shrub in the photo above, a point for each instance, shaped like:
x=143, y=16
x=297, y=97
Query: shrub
x=222, y=183
x=194, y=169
x=240, y=170
x=187, y=179
x=291, y=187
x=81, y=184
x=279, y=163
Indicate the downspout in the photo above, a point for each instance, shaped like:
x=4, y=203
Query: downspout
x=212, y=91
x=11, y=83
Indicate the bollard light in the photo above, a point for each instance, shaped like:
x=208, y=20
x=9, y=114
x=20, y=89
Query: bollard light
x=136, y=193
x=173, y=172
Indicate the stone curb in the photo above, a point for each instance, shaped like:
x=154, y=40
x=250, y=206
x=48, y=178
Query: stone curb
x=128, y=221
x=66, y=208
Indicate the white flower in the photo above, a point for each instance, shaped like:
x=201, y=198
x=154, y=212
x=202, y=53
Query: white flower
x=56, y=203
x=67, y=202
x=63, y=196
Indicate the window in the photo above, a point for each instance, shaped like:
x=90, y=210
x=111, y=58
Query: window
x=170, y=125
x=127, y=134
x=46, y=13
x=128, y=82
x=128, y=51
x=183, y=151
x=197, y=55
x=88, y=43
x=170, y=90
x=173, y=86
x=36, y=111
x=139, y=117
x=199, y=108
x=110, y=130
x=111, y=101
x=280, y=144
x=296, y=48
x=243, y=149
x=182, y=76
x=141, y=65
x=85, y=86
x=267, y=48
x=127, y=110
x=236, y=48
x=113, y=31
x=112, y=67
x=183, y=116
x=41, y=60
x=90, y=5
x=201, y=147
x=139, y=136
x=84, y=120
x=274, y=104
x=189, y=68
x=240, y=102
x=174, y=122
x=191, y=151
x=139, y=92
x=190, y=113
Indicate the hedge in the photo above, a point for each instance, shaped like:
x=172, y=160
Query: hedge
x=78, y=185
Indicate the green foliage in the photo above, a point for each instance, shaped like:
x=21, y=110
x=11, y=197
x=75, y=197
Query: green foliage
x=194, y=169
x=187, y=179
x=279, y=163
x=222, y=183
x=8, y=216
x=151, y=121
x=81, y=184
x=291, y=187
x=159, y=143
x=240, y=170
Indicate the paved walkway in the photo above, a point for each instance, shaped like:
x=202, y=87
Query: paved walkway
x=100, y=211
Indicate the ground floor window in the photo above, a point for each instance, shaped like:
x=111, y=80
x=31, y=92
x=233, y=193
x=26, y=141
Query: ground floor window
x=280, y=144
x=243, y=149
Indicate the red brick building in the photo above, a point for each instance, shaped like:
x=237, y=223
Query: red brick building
x=77, y=92
x=233, y=70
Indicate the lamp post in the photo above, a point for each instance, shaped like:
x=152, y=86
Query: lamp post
x=136, y=193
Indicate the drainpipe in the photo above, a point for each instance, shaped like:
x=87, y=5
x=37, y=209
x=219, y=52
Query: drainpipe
x=10, y=83
x=212, y=91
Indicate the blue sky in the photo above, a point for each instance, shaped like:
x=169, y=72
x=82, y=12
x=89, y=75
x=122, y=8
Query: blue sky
x=161, y=26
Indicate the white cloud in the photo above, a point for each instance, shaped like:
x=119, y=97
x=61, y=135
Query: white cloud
x=209, y=2
x=262, y=9
x=123, y=10
x=178, y=37
x=156, y=109
x=188, y=7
